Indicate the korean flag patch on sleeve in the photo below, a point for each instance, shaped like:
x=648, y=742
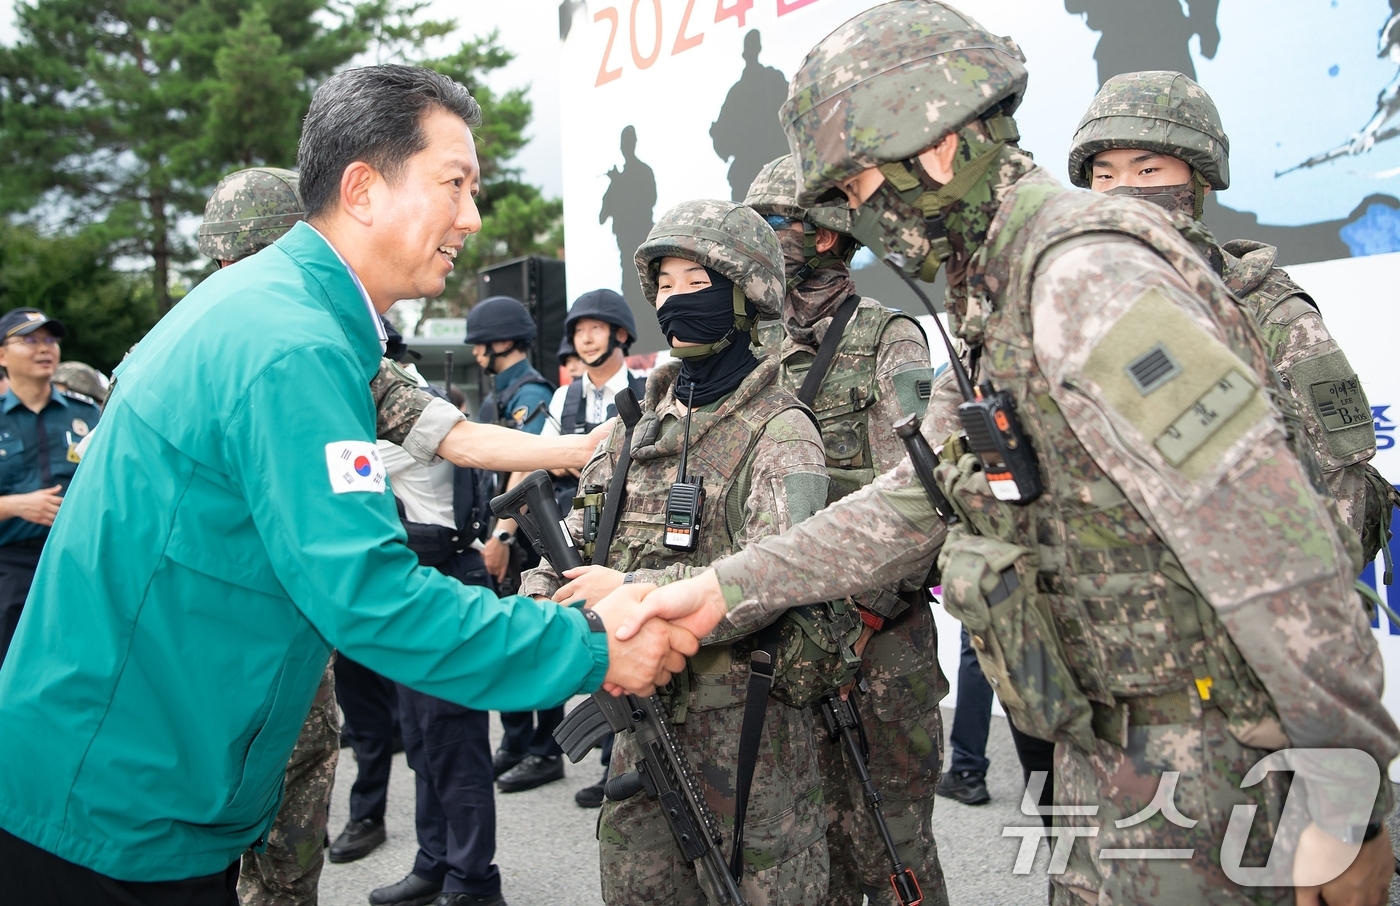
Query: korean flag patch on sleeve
x=354, y=465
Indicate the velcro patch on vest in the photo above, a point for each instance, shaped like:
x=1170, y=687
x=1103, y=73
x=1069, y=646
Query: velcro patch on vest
x=1152, y=369
x=1341, y=404
x=1205, y=416
x=1181, y=388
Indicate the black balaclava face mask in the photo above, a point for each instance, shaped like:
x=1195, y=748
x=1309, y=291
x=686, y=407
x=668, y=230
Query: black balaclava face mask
x=707, y=316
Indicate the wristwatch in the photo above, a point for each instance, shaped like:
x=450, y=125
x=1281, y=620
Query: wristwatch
x=505, y=537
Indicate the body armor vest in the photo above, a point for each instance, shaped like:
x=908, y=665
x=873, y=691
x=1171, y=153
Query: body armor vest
x=848, y=392
x=1127, y=621
x=722, y=446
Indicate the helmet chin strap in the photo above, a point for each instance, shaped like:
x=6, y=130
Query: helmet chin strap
x=742, y=324
x=612, y=344
x=815, y=260
x=903, y=177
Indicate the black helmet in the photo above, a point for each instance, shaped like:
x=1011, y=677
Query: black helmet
x=499, y=318
x=610, y=308
x=566, y=348
x=394, y=346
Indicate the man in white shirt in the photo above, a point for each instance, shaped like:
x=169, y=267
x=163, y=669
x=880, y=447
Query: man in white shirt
x=601, y=328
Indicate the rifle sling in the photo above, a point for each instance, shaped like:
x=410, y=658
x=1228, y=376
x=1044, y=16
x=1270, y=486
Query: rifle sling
x=612, y=507
x=750, y=734
x=827, y=350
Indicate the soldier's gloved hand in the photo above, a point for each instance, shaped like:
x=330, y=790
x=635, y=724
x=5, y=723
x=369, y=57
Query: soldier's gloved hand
x=648, y=658
x=695, y=604
x=591, y=583
x=1365, y=882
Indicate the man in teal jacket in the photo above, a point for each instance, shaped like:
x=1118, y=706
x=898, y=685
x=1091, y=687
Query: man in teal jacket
x=230, y=525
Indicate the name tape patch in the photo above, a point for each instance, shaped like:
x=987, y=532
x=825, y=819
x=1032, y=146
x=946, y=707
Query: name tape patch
x=354, y=465
x=1341, y=404
x=1206, y=415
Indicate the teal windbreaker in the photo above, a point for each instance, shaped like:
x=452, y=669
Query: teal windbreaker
x=202, y=568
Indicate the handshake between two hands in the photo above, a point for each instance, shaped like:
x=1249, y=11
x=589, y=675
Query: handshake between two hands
x=651, y=629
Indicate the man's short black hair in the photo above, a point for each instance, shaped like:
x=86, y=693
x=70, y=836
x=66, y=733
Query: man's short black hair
x=372, y=114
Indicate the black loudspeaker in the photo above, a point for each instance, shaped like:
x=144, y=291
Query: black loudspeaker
x=539, y=284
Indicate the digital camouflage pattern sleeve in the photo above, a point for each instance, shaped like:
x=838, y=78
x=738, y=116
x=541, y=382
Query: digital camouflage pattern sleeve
x=407, y=415
x=1330, y=399
x=1237, y=509
x=876, y=536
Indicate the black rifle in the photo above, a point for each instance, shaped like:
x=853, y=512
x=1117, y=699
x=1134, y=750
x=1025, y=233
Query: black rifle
x=843, y=722
x=531, y=504
x=663, y=770
x=924, y=462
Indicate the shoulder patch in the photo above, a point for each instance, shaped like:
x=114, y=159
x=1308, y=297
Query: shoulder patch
x=1181, y=388
x=913, y=387
x=354, y=465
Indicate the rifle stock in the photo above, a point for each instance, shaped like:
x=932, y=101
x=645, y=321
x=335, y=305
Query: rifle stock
x=663, y=772
x=531, y=504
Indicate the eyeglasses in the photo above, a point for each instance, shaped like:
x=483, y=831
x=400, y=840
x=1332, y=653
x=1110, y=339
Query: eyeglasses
x=779, y=222
x=36, y=340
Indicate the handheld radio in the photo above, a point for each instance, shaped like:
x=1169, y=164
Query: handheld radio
x=686, y=499
x=989, y=422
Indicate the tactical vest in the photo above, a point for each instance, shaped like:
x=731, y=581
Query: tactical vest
x=1098, y=609
x=722, y=446
x=848, y=392
x=494, y=407
x=574, y=418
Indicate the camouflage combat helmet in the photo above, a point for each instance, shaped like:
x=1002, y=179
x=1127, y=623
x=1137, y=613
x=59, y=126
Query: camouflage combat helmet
x=774, y=194
x=1164, y=112
x=81, y=377
x=726, y=237
x=892, y=82
x=249, y=210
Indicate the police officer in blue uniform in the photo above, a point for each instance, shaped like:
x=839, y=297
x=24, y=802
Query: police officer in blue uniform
x=40, y=427
x=500, y=332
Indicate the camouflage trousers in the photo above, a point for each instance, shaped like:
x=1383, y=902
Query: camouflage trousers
x=289, y=871
x=905, y=732
x=1122, y=782
x=785, y=859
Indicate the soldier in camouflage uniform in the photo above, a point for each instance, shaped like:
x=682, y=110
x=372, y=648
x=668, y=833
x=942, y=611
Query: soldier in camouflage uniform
x=873, y=379
x=1178, y=602
x=717, y=267
x=1158, y=136
x=249, y=211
